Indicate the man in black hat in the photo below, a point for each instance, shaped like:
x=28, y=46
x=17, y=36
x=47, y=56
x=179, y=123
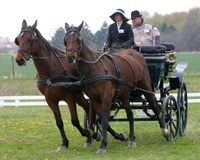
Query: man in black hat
x=118, y=32
x=144, y=33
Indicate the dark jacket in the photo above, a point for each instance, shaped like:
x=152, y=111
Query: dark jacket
x=114, y=37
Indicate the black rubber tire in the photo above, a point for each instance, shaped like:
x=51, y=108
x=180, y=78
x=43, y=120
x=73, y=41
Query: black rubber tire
x=172, y=117
x=183, y=105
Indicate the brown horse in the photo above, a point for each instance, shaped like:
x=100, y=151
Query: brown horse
x=106, y=77
x=55, y=74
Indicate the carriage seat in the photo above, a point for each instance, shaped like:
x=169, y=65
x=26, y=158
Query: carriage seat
x=169, y=46
x=151, y=49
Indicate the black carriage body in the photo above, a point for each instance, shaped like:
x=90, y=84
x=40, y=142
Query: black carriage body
x=156, y=66
x=166, y=76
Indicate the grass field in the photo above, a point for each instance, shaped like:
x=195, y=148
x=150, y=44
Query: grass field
x=15, y=80
x=9, y=67
x=30, y=133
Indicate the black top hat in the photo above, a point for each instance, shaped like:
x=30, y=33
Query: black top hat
x=135, y=14
x=120, y=11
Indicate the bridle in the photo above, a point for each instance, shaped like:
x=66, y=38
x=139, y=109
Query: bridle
x=26, y=54
x=80, y=40
x=78, y=52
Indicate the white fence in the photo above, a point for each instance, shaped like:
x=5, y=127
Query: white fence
x=18, y=101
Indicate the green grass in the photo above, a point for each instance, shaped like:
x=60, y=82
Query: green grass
x=16, y=80
x=11, y=87
x=193, y=68
x=10, y=69
x=30, y=133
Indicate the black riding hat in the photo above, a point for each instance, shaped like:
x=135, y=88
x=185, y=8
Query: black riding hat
x=135, y=14
x=120, y=11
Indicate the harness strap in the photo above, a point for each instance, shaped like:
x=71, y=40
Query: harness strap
x=118, y=71
x=133, y=70
x=88, y=80
x=117, y=68
x=66, y=81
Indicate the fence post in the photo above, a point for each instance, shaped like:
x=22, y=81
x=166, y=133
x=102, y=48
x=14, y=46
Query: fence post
x=13, y=67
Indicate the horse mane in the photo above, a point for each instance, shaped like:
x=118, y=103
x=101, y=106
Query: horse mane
x=39, y=35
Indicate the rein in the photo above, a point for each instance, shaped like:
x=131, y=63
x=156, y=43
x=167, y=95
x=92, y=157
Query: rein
x=78, y=58
x=34, y=57
x=143, y=90
x=87, y=80
x=92, y=62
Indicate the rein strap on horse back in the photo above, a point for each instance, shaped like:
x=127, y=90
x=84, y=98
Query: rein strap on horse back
x=88, y=80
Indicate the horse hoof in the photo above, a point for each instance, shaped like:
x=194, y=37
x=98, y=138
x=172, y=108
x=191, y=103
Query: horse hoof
x=101, y=151
x=87, y=145
x=97, y=136
x=91, y=133
x=131, y=144
x=125, y=136
x=165, y=132
x=61, y=149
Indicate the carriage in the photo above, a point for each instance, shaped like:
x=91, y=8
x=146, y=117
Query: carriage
x=119, y=81
x=112, y=83
x=169, y=87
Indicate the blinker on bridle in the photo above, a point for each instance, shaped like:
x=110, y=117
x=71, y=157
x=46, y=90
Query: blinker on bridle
x=73, y=50
x=21, y=50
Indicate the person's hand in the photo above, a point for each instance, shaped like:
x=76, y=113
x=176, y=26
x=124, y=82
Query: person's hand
x=124, y=45
x=106, y=49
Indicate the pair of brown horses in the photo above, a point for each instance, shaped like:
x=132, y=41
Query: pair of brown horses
x=103, y=78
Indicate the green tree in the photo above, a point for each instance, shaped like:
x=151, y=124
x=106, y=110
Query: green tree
x=88, y=37
x=58, y=38
x=164, y=27
x=101, y=35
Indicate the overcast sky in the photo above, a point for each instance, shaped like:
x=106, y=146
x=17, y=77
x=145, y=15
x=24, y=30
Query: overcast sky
x=52, y=14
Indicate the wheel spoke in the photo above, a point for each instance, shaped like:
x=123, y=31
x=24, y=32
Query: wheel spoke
x=183, y=104
x=172, y=117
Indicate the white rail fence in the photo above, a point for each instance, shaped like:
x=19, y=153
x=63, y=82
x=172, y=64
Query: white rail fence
x=18, y=101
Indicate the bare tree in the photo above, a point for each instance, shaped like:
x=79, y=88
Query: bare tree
x=191, y=31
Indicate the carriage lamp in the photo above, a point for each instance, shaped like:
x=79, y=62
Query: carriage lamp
x=171, y=57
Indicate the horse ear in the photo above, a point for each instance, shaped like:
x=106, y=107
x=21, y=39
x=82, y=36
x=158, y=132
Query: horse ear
x=24, y=24
x=34, y=25
x=80, y=26
x=66, y=26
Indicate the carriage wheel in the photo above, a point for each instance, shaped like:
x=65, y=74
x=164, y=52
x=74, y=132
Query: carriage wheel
x=172, y=116
x=183, y=105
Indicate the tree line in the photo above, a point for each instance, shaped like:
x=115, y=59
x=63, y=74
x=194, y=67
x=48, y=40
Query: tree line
x=180, y=28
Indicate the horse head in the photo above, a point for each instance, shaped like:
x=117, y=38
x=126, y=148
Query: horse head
x=26, y=41
x=73, y=41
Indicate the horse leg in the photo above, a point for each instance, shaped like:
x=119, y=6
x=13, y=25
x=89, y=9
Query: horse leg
x=56, y=111
x=118, y=136
x=74, y=116
x=129, y=114
x=83, y=102
x=86, y=106
x=91, y=119
x=159, y=112
x=103, y=110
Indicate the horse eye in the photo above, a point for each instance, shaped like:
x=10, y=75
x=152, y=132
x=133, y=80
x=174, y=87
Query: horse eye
x=16, y=42
x=65, y=43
